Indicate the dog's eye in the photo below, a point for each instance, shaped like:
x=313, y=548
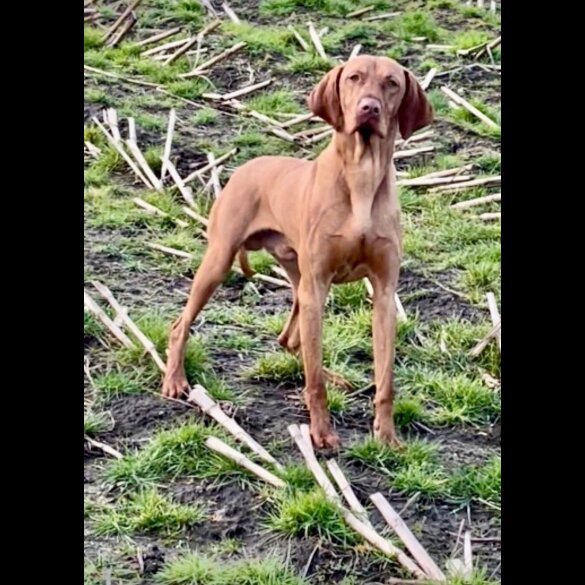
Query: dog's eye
x=391, y=82
x=355, y=77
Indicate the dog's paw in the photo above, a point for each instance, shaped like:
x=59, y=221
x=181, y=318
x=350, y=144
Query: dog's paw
x=175, y=385
x=384, y=431
x=324, y=437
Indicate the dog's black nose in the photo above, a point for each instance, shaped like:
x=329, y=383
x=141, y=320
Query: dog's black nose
x=370, y=106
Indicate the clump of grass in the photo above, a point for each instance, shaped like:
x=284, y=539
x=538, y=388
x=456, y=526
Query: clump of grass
x=262, y=39
x=297, y=477
x=352, y=295
x=205, y=117
x=93, y=38
x=197, y=569
x=286, y=7
x=408, y=410
x=277, y=367
x=425, y=478
x=116, y=383
x=310, y=514
x=478, y=482
x=308, y=63
x=338, y=401
x=280, y=101
x=170, y=454
x=156, y=328
x=377, y=454
x=467, y=120
x=416, y=23
x=457, y=398
x=145, y=512
x=253, y=144
x=92, y=328
x=95, y=423
x=190, y=89
x=468, y=39
x=94, y=95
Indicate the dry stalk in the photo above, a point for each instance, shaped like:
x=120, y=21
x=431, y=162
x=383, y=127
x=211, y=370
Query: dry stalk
x=199, y=396
x=348, y=493
x=224, y=449
x=149, y=208
x=421, y=556
x=168, y=142
x=355, y=51
x=490, y=216
x=183, y=189
x=382, y=16
x=145, y=342
x=171, y=251
x=158, y=37
x=130, y=22
x=121, y=19
x=469, y=107
x=99, y=313
x=299, y=38
x=316, y=41
x=215, y=183
x=426, y=82
x=477, y=201
x=360, y=12
x=412, y=152
x=204, y=66
x=153, y=179
x=209, y=166
x=485, y=341
x=238, y=92
x=165, y=47
x=494, y=314
x=103, y=447
x=230, y=13
x=122, y=152
x=480, y=182
x=433, y=181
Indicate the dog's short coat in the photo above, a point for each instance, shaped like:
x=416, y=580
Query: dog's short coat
x=333, y=220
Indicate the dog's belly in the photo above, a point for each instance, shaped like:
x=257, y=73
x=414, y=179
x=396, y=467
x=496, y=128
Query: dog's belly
x=274, y=243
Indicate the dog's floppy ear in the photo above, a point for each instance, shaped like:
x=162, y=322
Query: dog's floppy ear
x=324, y=100
x=415, y=111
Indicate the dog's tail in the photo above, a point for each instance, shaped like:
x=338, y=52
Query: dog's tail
x=245, y=264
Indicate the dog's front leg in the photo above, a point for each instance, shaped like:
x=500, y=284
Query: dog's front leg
x=384, y=331
x=312, y=295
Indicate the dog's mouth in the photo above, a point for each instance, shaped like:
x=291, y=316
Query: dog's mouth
x=368, y=125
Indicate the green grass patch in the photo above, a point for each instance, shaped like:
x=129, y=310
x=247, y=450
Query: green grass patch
x=304, y=514
x=179, y=452
x=274, y=102
x=145, y=512
x=197, y=569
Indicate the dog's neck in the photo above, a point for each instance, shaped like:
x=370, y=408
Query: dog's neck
x=367, y=164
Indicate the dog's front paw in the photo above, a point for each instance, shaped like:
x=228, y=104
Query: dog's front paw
x=175, y=385
x=324, y=437
x=384, y=431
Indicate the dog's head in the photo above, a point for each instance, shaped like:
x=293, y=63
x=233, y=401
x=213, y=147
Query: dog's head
x=369, y=95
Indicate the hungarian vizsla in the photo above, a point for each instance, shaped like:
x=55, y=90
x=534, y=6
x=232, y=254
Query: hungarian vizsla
x=330, y=221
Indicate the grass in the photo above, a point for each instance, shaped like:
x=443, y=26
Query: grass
x=274, y=102
x=178, y=452
x=117, y=382
x=269, y=40
x=198, y=569
x=95, y=423
x=145, y=512
x=304, y=514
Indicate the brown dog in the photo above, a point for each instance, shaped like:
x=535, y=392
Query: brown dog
x=333, y=220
